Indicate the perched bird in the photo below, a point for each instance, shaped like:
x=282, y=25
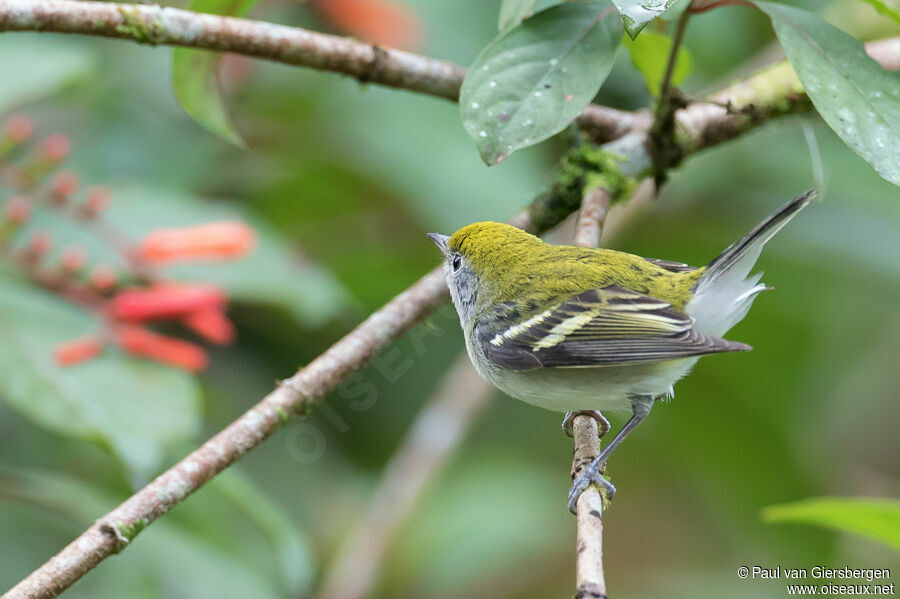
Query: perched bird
x=587, y=330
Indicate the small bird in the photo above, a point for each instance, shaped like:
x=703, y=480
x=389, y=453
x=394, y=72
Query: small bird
x=585, y=330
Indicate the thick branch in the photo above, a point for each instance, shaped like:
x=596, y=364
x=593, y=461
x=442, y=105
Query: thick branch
x=155, y=25
x=114, y=531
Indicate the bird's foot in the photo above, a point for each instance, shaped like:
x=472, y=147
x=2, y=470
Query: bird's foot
x=569, y=420
x=590, y=475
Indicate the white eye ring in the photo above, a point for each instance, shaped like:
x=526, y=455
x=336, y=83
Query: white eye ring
x=456, y=262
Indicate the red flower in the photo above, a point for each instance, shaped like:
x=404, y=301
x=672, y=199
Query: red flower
x=377, y=21
x=217, y=240
x=165, y=301
x=212, y=325
x=139, y=341
x=79, y=350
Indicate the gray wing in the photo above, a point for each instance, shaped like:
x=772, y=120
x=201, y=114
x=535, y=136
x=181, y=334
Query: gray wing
x=599, y=327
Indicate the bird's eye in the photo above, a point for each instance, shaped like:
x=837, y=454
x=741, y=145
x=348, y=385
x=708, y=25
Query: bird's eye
x=457, y=262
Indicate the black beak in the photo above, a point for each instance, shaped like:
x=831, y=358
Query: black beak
x=441, y=241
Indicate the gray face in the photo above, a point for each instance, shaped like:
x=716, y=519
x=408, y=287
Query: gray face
x=461, y=280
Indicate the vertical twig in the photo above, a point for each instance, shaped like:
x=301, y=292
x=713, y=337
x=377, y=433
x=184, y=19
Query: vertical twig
x=663, y=107
x=590, y=581
x=664, y=149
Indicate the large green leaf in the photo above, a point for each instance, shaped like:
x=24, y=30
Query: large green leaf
x=858, y=99
x=194, y=75
x=649, y=54
x=877, y=519
x=530, y=82
x=138, y=407
x=31, y=67
x=637, y=13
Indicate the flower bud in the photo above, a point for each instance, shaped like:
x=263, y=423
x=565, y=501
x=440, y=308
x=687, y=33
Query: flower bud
x=65, y=184
x=39, y=244
x=73, y=259
x=103, y=278
x=165, y=301
x=17, y=210
x=212, y=325
x=78, y=350
x=216, y=240
x=97, y=200
x=139, y=341
x=18, y=128
x=55, y=148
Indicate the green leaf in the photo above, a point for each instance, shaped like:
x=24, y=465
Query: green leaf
x=194, y=75
x=637, y=13
x=513, y=12
x=649, y=54
x=858, y=99
x=31, y=67
x=138, y=407
x=890, y=8
x=878, y=519
x=534, y=79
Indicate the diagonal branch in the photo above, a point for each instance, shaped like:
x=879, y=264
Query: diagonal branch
x=765, y=93
x=156, y=25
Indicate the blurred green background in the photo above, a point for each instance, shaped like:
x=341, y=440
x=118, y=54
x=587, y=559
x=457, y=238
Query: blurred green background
x=348, y=178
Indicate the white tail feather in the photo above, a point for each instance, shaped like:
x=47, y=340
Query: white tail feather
x=726, y=290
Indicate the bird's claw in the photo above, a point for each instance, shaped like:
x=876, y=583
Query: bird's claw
x=591, y=475
x=569, y=421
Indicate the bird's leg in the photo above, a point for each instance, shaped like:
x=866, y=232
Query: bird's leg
x=569, y=419
x=640, y=407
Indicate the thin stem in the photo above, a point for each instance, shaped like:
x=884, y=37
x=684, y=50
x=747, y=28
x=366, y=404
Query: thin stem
x=663, y=107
